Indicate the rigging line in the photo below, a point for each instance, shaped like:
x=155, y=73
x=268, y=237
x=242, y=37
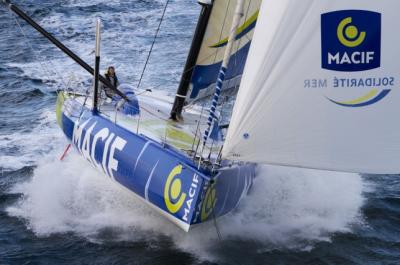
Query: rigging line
x=247, y=14
x=220, y=38
x=214, y=53
x=152, y=45
x=218, y=120
x=222, y=29
x=239, y=41
x=154, y=115
x=46, y=70
x=208, y=56
x=84, y=103
x=198, y=127
x=191, y=68
x=44, y=66
x=236, y=61
x=216, y=225
x=141, y=108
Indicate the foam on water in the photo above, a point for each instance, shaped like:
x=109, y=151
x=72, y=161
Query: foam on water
x=25, y=148
x=71, y=196
x=78, y=3
x=287, y=208
x=293, y=203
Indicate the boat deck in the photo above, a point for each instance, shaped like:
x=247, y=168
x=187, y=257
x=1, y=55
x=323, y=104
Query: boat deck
x=154, y=122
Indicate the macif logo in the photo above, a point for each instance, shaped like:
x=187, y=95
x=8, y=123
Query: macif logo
x=173, y=196
x=351, y=40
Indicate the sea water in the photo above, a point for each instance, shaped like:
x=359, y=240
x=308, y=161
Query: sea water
x=55, y=212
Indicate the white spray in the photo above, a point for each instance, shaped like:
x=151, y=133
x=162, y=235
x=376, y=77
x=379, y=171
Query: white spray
x=287, y=208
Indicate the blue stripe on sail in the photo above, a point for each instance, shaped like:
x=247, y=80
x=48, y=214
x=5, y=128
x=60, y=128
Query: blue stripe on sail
x=249, y=28
x=206, y=75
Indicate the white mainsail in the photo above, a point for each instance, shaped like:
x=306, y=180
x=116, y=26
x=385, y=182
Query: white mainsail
x=320, y=87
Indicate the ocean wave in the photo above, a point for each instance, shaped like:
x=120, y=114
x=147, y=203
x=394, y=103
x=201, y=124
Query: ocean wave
x=288, y=209
x=27, y=147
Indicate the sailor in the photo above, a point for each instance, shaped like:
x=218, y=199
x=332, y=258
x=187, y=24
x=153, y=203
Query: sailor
x=111, y=76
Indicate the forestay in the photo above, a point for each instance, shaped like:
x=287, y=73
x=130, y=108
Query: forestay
x=320, y=87
x=213, y=48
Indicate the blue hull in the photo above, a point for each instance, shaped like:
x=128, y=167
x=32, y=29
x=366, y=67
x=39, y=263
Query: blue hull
x=159, y=174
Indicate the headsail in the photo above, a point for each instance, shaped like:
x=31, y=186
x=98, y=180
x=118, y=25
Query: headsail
x=213, y=47
x=320, y=87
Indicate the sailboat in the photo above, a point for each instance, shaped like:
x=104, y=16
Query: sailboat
x=317, y=89
x=168, y=153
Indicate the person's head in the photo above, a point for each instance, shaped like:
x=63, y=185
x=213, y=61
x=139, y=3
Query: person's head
x=111, y=71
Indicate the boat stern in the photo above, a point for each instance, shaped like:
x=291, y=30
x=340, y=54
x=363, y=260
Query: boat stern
x=224, y=192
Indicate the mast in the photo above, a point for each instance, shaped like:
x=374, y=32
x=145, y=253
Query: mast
x=221, y=77
x=97, y=67
x=61, y=46
x=183, y=88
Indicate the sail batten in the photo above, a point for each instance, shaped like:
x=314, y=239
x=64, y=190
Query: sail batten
x=319, y=89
